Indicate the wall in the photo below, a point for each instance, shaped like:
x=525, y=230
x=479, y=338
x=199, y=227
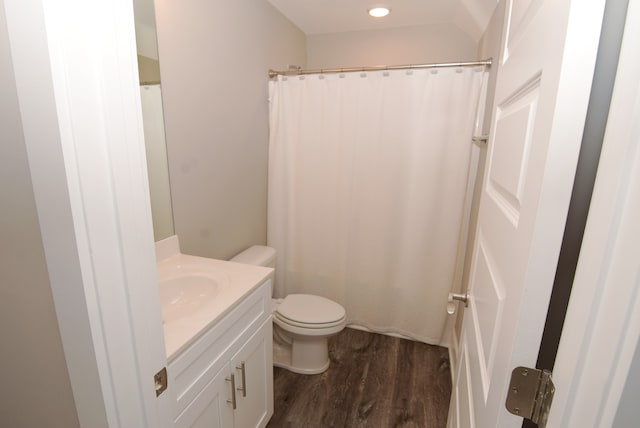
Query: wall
x=408, y=45
x=36, y=391
x=627, y=414
x=214, y=58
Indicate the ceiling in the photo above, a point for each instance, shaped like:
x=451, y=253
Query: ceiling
x=336, y=16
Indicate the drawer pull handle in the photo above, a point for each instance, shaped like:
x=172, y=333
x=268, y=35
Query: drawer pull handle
x=232, y=379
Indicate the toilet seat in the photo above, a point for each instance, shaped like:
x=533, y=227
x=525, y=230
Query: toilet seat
x=309, y=315
x=310, y=311
x=293, y=323
x=304, y=331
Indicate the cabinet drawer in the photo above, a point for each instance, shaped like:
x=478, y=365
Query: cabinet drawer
x=192, y=370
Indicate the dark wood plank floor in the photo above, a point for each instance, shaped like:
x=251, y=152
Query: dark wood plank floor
x=374, y=381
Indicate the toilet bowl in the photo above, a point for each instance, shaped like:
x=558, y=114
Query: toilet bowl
x=302, y=323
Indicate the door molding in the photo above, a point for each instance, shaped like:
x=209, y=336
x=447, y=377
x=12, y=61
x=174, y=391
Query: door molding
x=595, y=125
x=602, y=327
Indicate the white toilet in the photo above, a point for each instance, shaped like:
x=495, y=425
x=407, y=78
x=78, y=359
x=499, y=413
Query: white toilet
x=302, y=322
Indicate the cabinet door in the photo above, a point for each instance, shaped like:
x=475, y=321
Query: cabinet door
x=254, y=393
x=210, y=408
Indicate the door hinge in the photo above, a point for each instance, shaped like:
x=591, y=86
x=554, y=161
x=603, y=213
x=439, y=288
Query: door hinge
x=530, y=394
x=160, y=380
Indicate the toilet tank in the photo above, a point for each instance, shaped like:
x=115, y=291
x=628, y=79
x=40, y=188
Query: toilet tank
x=258, y=255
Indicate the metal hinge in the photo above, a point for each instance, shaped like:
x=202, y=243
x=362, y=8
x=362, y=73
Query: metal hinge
x=160, y=380
x=530, y=394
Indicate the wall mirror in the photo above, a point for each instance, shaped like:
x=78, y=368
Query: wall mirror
x=152, y=114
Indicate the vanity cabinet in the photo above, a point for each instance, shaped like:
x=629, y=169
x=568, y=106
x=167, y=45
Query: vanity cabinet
x=225, y=378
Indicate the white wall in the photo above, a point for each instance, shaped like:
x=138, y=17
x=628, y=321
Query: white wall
x=36, y=391
x=407, y=45
x=627, y=413
x=214, y=58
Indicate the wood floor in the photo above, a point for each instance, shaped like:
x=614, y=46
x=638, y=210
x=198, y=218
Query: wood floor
x=374, y=381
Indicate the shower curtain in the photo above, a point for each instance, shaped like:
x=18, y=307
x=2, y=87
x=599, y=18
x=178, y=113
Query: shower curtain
x=367, y=180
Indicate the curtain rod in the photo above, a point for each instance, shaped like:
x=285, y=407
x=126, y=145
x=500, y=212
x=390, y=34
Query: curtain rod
x=296, y=72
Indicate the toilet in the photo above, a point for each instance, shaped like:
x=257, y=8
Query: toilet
x=302, y=323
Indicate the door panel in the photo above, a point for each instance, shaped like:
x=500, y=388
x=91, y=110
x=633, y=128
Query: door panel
x=255, y=391
x=520, y=12
x=486, y=310
x=463, y=390
x=515, y=119
x=210, y=408
x=542, y=89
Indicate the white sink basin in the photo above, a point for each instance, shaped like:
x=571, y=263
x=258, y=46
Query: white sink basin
x=182, y=295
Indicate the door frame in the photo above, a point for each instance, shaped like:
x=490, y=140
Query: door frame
x=591, y=147
x=602, y=326
x=76, y=77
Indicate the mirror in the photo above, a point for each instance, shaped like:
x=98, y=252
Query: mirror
x=152, y=116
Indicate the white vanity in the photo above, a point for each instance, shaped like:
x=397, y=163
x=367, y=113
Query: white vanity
x=218, y=337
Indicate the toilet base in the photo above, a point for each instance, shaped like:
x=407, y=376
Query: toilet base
x=301, y=355
x=285, y=365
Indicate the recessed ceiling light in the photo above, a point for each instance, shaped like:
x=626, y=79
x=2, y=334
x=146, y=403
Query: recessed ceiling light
x=379, y=12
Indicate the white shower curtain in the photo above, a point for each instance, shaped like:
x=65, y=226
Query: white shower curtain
x=367, y=180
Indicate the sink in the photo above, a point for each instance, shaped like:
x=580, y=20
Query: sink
x=185, y=291
x=196, y=292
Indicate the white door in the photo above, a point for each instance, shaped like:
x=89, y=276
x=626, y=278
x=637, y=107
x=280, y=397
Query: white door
x=544, y=77
x=77, y=83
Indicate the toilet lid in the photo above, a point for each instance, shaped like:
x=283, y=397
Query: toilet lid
x=310, y=309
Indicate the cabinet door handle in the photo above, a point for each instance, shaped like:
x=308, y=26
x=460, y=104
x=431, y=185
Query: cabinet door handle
x=232, y=379
x=244, y=380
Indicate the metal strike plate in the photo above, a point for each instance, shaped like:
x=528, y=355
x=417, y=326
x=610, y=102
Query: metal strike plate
x=530, y=394
x=160, y=380
x=480, y=139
